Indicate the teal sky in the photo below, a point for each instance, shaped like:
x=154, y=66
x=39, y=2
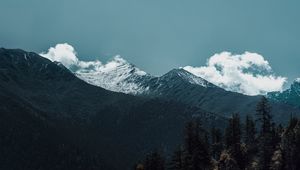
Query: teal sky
x=158, y=35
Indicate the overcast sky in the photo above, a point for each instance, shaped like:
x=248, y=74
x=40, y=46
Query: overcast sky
x=158, y=35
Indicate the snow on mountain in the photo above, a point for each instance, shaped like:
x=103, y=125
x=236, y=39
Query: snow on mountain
x=290, y=96
x=187, y=76
x=176, y=82
x=121, y=76
x=295, y=87
x=117, y=75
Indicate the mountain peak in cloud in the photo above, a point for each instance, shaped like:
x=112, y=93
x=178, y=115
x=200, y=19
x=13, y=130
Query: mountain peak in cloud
x=66, y=54
x=63, y=53
x=117, y=74
x=297, y=80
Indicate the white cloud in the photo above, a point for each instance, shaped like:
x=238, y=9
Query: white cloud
x=248, y=73
x=66, y=54
x=63, y=53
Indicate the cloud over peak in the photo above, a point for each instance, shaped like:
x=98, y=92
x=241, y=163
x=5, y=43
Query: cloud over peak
x=66, y=54
x=247, y=73
x=63, y=53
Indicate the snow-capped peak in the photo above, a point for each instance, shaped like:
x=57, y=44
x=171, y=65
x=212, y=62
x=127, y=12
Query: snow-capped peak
x=115, y=64
x=297, y=80
x=290, y=96
x=187, y=76
x=116, y=75
x=295, y=87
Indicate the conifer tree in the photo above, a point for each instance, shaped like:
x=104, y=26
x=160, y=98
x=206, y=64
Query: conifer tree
x=250, y=139
x=296, y=150
x=277, y=160
x=226, y=162
x=291, y=145
x=154, y=161
x=233, y=132
x=216, y=143
x=197, y=155
x=176, y=162
x=266, y=141
x=250, y=131
x=233, y=135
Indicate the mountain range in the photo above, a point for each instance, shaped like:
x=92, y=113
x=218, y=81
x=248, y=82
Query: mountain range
x=51, y=115
x=183, y=86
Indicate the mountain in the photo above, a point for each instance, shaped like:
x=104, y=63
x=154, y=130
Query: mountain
x=118, y=75
x=121, y=76
x=49, y=117
x=182, y=86
x=290, y=96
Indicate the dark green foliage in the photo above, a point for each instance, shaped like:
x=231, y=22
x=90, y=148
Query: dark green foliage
x=226, y=162
x=263, y=113
x=277, y=162
x=250, y=131
x=267, y=139
x=29, y=143
x=216, y=143
x=233, y=134
x=274, y=147
x=291, y=145
x=197, y=155
x=154, y=161
x=250, y=139
x=177, y=161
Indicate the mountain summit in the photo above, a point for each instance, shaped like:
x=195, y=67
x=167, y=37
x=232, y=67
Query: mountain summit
x=121, y=76
x=289, y=96
x=117, y=75
x=186, y=76
x=176, y=85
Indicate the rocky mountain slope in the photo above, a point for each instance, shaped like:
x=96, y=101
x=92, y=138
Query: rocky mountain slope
x=50, y=117
x=290, y=96
x=179, y=85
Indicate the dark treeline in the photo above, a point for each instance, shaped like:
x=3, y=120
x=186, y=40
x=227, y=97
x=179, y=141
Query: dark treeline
x=254, y=144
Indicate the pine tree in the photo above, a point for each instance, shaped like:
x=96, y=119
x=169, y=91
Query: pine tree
x=233, y=135
x=176, y=162
x=277, y=160
x=250, y=131
x=154, y=161
x=263, y=113
x=291, y=145
x=296, y=150
x=266, y=141
x=233, y=132
x=226, y=162
x=216, y=143
x=250, y=139
x=196, y=155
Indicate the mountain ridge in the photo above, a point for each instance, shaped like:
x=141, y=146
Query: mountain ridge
x=183, y=86
x=289, y=96
x=77, y=120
